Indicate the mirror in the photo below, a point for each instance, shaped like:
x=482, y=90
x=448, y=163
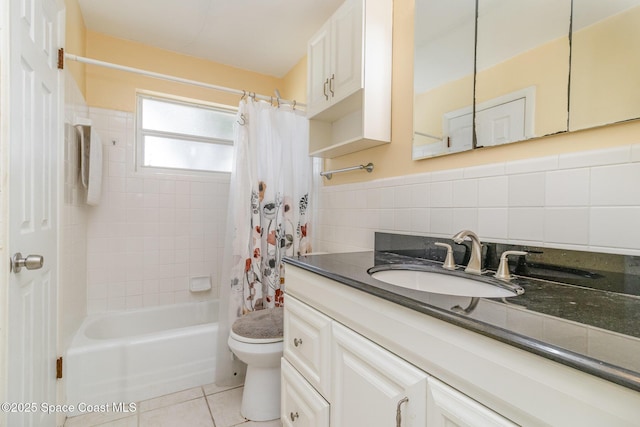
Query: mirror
x=605, y=62
x=443, y=76
x=522, y=69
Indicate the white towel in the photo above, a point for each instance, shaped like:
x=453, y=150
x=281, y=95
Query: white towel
x=94, y=184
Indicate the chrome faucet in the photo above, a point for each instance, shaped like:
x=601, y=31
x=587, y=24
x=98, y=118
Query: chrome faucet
x=475, y=262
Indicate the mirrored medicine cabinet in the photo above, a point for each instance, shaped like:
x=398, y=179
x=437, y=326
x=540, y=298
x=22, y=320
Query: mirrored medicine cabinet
x=492, y=72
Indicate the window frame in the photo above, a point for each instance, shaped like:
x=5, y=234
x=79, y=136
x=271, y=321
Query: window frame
x=140, y=133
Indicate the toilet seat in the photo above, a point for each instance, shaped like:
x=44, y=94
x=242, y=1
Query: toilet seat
x=259, y=327
x=248, y=340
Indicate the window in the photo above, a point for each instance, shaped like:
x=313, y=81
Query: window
x=174, y=134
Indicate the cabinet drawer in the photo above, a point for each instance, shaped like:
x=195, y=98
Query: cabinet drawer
x=301, y=404
x=307, y=342
x=447, y=407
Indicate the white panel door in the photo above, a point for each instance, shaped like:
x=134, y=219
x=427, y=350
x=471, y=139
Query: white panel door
x=501, y=124
x=319, y=62
x=372, y=387
x=35, y=133
x=346, y=50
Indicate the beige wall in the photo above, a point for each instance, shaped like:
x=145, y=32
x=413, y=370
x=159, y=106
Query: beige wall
x=75, y=42
x=114, y=89
x=547, y=69
x=395, y=159
x=595, y=49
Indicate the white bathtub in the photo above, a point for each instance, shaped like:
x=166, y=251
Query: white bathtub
x=138, y=355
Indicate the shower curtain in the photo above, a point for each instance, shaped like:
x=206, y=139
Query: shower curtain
x=269, y=216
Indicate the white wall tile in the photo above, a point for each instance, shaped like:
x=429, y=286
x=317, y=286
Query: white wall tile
x=538, y=164
x=138, y=219
x=583, y=159
x=402, y=197
x=420, y=195
x=527, y=190
x=465, y=193
x=483, y=171
x=526, y=224
x=617, y=227
x=493, y=192
x=580, y=206
x=568, y=188
x=635, y=153
x=566, y=225
x=464, y=219
x=441, y=221
x=441, y=194
x=615, y=185
x=493, y=223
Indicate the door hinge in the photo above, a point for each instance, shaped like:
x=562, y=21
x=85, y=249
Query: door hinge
x=61, y=59
x=59, y=368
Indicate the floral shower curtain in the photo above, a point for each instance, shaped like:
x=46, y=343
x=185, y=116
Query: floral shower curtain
x=268, y=218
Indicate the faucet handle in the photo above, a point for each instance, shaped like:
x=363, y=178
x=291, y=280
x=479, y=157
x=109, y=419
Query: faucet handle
x=449, y=263
x=503, y=268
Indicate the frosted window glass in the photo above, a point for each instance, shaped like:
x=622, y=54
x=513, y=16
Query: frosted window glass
x=184, y=154
x=175, y=117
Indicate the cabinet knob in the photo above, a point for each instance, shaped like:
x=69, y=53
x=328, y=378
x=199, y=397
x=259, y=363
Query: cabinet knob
x=297, y=342
x=326, y=95
x=294, y=416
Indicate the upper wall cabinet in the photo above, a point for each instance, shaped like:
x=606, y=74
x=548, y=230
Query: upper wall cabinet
x=335, y=59
x=350, y=109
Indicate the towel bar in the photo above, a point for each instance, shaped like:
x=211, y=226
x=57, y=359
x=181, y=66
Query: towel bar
x=329, y=174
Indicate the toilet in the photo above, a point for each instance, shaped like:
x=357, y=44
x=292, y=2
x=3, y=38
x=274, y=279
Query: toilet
x=256, y=339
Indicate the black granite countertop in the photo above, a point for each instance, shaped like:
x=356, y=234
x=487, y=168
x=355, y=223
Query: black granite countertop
x=601, y=317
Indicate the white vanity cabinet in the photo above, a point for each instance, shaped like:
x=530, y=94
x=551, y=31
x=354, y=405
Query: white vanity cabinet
x=332, y=376
x=349, y=79
x=301, y=404
x=372, y=387
x=380, y=352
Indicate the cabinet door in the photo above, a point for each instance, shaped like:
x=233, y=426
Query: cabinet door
x=447, y=407
x=301, y=405
x=346, y=50
x=318, y=73
x=307, y=342
x=371, y=386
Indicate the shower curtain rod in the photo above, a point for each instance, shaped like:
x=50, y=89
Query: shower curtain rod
x=242, y=93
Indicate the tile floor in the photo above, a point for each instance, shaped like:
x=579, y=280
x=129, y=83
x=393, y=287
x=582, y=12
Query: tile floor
x=207, y=406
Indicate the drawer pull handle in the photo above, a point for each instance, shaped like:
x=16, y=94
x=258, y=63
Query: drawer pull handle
x=297, y=342
x=294, y=416
x=399, y=411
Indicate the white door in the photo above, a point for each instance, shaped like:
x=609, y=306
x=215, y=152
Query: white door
x=501, y=124
x=34, y=135
x=318, y=73
x=372, y=387
x=346, y=50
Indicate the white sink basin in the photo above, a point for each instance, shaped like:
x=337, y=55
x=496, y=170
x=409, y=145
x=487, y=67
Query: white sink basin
x=442, y=283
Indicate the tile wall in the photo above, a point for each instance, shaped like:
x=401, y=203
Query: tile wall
x=586, y=201
x=151, y=233
x=72, y=288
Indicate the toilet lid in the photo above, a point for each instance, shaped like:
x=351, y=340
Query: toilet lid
x=259, y=326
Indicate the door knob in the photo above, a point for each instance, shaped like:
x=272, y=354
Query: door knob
x=31, y=262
